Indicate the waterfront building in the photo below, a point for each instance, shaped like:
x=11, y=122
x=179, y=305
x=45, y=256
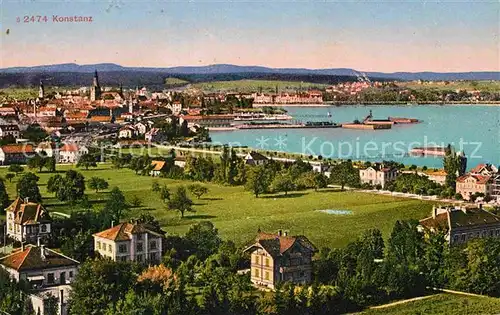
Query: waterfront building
x=485, y=170
x=469, y=184
x=129, y=242
x=461, y=224
x=377, y=175
x=255, y=158
x=277, y=258
x=28, y=221
x=207, y=121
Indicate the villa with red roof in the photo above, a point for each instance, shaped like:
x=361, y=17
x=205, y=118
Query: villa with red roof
x=71, y=152
x=27, y=221
x=279, y=257
x=129, y=242
x=46, y=272
x=469, y=184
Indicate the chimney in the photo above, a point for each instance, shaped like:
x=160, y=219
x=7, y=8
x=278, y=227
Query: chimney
x=26, y=199
x=480, y=206
x=42, y=252
x=285, y=233
x=434, y=212
x=112, y=223
x=280, y=232
x=61, y=301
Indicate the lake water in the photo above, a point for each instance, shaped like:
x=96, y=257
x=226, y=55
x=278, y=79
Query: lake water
x=471, y=128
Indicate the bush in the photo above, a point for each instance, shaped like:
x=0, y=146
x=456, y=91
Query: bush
x=458, y=196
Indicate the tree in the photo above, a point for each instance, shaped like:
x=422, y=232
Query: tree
x=4, y=197
x=282, y=182
x=54, y=183
x=86, y=160
x=345, y=174
x=36, y=161
x=204, y=239
x=16, y=168
x=180, y=201
x=116, y=205
x=100, y=283
x=98, y=183
x=27, y=187
x=10, y=176
x=164, y=193
x=50, y=163
x=198, y=190
x=155, y=187
x=454, y=165
x=71, y=187
x=257, y=180
x=34, y=133
x=51, y=304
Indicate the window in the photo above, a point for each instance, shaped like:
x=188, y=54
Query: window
x=43, y=228
x=123, y=258
x=152, y=245
x=98, y=245
x=122, y=248
x=110, y=249
x=267, y=262
x=462, y=238
x=256, y=272
x=139, y=247
x=152, y=257
x=71, y=274
x=483, y=233
x=257, y=260
x=139, y=258
x=497, y=232
x=266, y=275
x=139, y=237
x=50, y=278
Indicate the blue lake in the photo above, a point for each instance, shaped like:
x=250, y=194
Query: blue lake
x=473, y=129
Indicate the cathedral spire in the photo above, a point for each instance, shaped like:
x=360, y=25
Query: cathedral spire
x=41, y=90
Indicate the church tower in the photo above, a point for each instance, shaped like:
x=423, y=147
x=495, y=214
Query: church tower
x=41, y=91
x=95, y=89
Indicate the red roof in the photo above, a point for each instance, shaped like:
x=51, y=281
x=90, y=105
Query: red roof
x=69, y=147
x=480, y=179
x=17, y=148
x=124, y=231
x=36, y=258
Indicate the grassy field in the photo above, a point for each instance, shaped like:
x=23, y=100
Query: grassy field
x=445, y=304
x=238, y=214
x=487, y=86
x=246, y=86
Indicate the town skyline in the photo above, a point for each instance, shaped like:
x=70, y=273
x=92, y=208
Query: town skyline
x=385, y=37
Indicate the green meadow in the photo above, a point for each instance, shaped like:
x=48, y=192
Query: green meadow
x=443, y=304
x=238, y=214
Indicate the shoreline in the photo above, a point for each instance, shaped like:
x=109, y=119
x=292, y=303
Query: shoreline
x=375, y=104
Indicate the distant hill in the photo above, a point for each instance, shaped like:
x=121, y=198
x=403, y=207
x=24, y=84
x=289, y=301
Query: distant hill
x=74, y=74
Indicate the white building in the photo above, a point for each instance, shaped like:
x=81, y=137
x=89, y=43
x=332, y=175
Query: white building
x=175, y=108
x=377, y=175
x=9, y=130
x=126, y=132
x=27, y=221
x=141, y=128
x=45, y=271
x=71, y=152
x=255, y=158
x=129, y=242
x=49, y=148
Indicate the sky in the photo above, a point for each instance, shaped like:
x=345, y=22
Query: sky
x=387, y=36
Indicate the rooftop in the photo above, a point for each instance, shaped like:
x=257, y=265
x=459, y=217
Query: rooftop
x=35, y=258
x=124, y=232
